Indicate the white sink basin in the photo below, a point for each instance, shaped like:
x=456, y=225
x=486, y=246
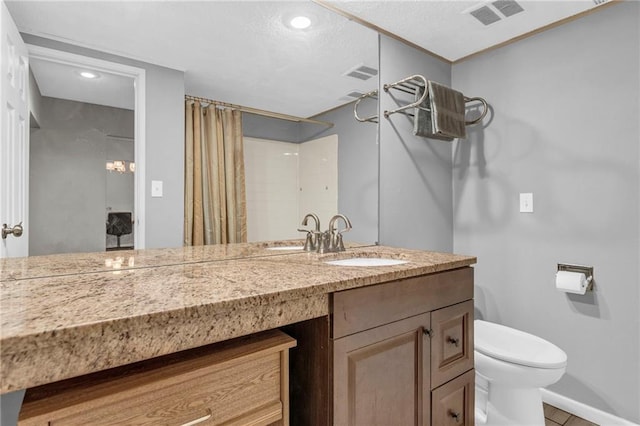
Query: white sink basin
x=366, y=261
x=285, y=248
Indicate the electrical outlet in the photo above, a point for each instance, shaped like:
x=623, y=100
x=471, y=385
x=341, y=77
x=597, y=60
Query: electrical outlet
x=526, y=202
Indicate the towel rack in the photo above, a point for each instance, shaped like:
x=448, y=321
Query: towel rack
x=409, y=85
x=416, y=82
x=485, y=109
x=371, y=119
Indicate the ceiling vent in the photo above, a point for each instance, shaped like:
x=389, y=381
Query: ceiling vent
x=351, y=96
x=507, y=7
x=362, y=72
x=488, y=13
x=599, y=2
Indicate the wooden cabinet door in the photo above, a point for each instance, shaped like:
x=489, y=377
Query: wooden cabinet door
x=381, y=375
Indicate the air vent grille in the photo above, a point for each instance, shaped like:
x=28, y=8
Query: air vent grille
x=485, y=15
x=489, y=13
x=362, y=72
x=507, y=7
x=351, y=96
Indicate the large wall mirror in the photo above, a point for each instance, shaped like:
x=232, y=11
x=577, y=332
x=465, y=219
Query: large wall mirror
x=261, y=62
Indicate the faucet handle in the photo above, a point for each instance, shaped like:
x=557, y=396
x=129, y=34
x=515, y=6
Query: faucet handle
x=308, y=242
x=339, y=245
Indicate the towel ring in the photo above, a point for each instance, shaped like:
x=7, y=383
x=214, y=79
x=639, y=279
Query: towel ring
x=484, y=112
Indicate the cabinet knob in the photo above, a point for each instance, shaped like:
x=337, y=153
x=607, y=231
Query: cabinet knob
x=453, y=340
x=455, y=416
x=427, y=331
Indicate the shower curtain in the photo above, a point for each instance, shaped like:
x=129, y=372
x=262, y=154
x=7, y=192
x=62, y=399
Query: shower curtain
x=215, y=201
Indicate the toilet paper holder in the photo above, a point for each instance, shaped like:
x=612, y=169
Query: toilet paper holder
x=586, y=270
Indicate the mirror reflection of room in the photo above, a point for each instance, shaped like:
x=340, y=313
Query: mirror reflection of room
x=82, y=161
x=312, y=74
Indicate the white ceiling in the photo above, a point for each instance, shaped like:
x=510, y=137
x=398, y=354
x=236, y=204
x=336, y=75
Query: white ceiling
x=446, y=28
x=244, y=52
x=64, y=81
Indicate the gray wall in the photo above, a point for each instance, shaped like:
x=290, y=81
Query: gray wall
x=415, y=172
x=260, y=127
x=565, y=126
x=357, y=168
x=67, y=176
x=163, y=221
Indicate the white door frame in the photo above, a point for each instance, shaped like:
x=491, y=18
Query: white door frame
x=138, y=76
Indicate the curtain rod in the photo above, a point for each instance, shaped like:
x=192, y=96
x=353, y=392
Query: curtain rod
x=260, y=111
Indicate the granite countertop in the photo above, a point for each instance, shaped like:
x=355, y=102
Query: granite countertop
x=82, y=263
x=59, y=322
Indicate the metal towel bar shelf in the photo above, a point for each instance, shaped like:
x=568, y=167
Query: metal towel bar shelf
x=372, y=118
x=412, y=85
x=409, y=85
x=485, y=109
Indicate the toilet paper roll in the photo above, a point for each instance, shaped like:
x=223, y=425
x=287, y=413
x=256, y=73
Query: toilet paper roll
x=571, y=282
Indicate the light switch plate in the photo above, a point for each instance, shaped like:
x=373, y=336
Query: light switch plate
x=156, y=188
x=526, y=202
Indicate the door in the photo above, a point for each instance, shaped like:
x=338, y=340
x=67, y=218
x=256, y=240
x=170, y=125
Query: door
x=14, y=140
x=381, y=375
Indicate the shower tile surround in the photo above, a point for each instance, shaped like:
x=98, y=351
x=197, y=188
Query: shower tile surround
x=171, y=300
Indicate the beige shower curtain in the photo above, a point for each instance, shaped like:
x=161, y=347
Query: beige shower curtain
x=214, y=197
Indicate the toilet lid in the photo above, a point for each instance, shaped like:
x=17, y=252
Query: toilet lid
x=515, y=346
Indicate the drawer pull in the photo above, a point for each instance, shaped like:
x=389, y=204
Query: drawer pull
x=455, y=416
x=200, y=419
x=427, y=331
x=453, y=341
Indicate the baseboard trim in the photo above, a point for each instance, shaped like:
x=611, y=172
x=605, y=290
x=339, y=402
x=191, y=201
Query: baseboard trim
x=585, y=411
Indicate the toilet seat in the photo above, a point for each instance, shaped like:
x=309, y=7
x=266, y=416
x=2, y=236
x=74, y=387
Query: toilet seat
x=517, y=347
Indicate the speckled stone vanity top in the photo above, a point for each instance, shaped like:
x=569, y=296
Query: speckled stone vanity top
x=82, y=263
x=59, y=322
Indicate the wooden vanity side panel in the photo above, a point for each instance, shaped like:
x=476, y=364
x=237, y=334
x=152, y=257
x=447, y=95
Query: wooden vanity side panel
x=310, y=373
x=368, y=307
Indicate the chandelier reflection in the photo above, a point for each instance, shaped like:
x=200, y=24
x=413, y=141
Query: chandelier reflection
x=121, y=166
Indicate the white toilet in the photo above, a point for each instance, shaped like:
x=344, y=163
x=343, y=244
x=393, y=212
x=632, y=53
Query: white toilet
x=511, y=367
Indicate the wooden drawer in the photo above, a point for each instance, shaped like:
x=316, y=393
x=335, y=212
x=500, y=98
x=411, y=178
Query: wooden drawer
x=451, y=342
x=368, y=307
x=243, y=381
x=452, y=404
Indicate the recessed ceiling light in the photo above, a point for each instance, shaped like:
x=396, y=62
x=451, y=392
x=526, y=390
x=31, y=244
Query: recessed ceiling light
x=300, y=22
x=88, y=74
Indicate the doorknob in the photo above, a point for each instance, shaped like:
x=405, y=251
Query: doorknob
x=16, y=230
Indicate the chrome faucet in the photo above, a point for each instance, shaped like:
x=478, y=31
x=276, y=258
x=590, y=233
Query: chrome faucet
x=314, y=239
x=328, y=241
x=335, y=236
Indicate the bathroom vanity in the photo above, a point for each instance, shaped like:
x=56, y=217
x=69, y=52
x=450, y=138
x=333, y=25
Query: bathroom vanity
x=362, y=343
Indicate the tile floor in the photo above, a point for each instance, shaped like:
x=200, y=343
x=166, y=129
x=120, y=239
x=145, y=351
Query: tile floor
x=556, y=417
